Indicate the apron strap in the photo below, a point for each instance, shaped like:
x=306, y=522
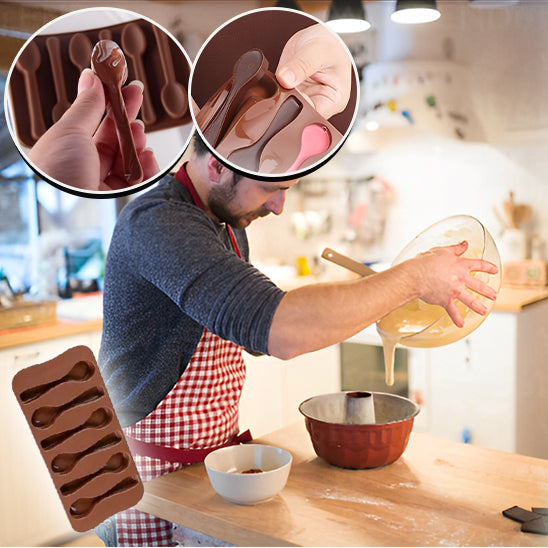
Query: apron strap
x=184, y=456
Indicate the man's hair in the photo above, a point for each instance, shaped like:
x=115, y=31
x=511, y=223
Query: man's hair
x=200, y=148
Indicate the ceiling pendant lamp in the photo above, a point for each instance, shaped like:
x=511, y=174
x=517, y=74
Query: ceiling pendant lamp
x=347, y=16
x=415, y=11
x=289, y=4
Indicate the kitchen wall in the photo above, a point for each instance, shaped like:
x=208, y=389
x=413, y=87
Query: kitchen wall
x=423, y=176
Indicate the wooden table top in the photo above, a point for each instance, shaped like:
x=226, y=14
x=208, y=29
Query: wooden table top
x=438, y=493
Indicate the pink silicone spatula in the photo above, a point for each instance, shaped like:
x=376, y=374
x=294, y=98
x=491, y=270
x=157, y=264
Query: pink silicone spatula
x=315, y=139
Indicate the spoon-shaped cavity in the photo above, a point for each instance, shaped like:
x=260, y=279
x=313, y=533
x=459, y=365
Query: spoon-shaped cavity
x=80, y=48
x=45, y=416
x=80, y=371
x=109, y=63
x=98, y=419
x=250, y=157
x=28, y=62
x=173, y=95
x=65, y=462
x=134, y=44
x=315, y=139
x=248, y=69
x=53, y=46
x=82, y=507
x=116, y=463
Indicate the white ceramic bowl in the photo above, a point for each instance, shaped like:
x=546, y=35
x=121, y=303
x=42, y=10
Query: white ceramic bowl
x=225, y=469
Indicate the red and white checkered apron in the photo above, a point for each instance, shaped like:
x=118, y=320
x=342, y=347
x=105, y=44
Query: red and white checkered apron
x=200, y=411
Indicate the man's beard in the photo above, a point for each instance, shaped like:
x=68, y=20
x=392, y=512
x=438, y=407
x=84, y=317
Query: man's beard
x=219, y=199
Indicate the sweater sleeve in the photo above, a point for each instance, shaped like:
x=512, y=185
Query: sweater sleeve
x=180, y=250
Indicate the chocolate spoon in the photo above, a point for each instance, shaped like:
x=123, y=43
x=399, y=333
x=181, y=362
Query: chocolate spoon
x=44, y=416
x=80, y=51
x=314, y=140
x=249, y=158
x=249, y=68
x=82, y=507
x=28, y=63
x=65, y=462
x=109, y=63
x=134, y=44
x=173, y=95
x=54, y=51
x=98, y=419
x=116, y=463
x=80, y=371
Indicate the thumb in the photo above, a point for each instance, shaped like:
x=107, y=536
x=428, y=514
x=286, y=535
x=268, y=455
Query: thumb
x=459, y=249
x=88, y=108
x=295, y=71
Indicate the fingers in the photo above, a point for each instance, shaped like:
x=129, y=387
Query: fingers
x=475, y=284
x=88, y=107
x=454, y=314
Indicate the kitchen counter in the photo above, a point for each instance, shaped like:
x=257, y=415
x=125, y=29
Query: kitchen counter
x=81, y=314
x=437, y=493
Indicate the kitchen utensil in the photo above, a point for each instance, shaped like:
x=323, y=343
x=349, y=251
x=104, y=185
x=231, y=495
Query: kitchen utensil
x=173, y=94
x=250, y=157
x=98, y=419
x=28, y=63
x=85, y=450
x=80, y=49
x=347, y=262
x=45, y=416
x=134, y=44
x=359, y=445
x=65, y=462
x=359, y=408
x=109, y=63
x=314, y=140
x=248, y=473
x=81, y=371
x=248, y=69
x=82, y=507
x=116, y=463
x=62, y=104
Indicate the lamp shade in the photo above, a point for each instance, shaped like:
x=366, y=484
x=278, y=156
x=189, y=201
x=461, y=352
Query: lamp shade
x=290, y=4
x=347, y=16
x=415, y=11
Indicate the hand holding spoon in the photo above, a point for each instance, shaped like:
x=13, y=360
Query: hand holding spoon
x=109, y=63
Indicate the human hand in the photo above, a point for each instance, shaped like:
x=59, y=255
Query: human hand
x=445, y=277
x=82, y=151
x=315, y=63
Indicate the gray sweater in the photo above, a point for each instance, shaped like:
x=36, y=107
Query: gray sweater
x=170, y=271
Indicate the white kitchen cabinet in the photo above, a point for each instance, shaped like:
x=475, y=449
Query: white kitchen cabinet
x=491, y=386
x=31, y=513
x=275, y=388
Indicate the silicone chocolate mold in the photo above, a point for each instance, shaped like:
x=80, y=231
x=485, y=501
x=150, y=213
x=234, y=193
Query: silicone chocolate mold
x=45, y=78
x=256, y=124
x=71, y=417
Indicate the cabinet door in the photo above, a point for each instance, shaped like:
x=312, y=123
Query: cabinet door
x=472, y=390
x=31, y=513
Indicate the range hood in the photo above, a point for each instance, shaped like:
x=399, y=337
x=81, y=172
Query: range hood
x=416, y=96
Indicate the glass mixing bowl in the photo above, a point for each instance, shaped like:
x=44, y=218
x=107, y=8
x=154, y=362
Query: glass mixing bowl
x=419, y=324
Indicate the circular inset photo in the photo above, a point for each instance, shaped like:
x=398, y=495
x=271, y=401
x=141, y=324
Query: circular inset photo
x=274, y=93
x=97, y=102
